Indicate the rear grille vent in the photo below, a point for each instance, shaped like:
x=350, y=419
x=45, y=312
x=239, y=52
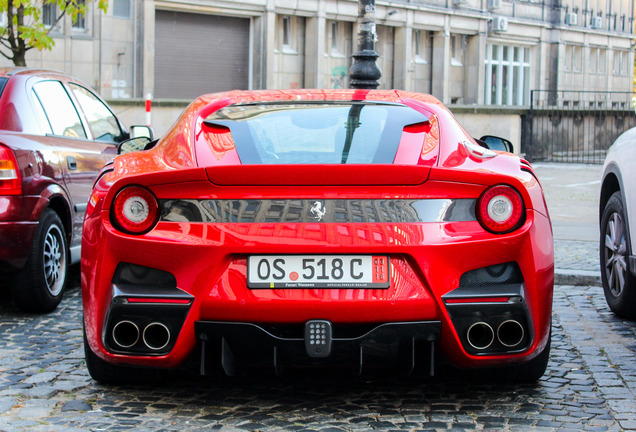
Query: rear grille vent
x=500, y=274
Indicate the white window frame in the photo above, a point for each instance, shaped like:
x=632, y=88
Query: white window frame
x=336, y=34
x=573, y=58
x=420, y=46
x=457, y=43
x=83, y=20
x=52, y=6
x=287, y=34
x=122, y=2
x=621, y=58
x=598, y=56
x=517, y=77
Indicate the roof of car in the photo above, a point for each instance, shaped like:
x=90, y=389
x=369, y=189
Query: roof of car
x=10, y=71
x=254, y=96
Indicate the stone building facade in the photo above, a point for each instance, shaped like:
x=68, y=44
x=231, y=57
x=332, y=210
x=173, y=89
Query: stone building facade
x=465, y=52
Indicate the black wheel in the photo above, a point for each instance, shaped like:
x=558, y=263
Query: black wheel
x=534, y=369
x=618, y=283
x=39, y=286
x=528, y=372
x=112, y=374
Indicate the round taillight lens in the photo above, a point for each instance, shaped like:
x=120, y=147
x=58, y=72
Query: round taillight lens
x=500, y=209
x=135, y=210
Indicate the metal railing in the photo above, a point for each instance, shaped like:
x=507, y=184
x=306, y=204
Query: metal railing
x=575, y=126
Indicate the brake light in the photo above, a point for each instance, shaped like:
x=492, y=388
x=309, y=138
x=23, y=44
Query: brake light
x=10, y=182
x=500, y=209
x=135, y=210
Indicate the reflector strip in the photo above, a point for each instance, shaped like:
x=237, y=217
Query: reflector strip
x=478, y=300
x=157, y=300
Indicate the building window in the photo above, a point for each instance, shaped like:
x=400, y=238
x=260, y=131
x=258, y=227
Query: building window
x=334, y=38
x=620, y=63
x=287, y=43
x=507, y=75
x=421, y=43
x=597, y=60
x=574, y=58
x=49, y=14
x=458, y=43
x=79, y=23
x=121, y=8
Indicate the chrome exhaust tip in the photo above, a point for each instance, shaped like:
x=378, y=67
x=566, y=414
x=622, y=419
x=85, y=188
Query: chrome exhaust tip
x=510, y=333
x=125, y=334
x=156, y=336
x=480, y=335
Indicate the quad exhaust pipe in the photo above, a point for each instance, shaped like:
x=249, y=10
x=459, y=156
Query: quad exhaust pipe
x=125, y=334
x=155, y=336
x=481, y=335
x=510, y=333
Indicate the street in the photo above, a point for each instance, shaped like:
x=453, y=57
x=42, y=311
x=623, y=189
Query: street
x=590, y=383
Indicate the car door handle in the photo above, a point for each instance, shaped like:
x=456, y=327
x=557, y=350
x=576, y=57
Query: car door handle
x=71, y=162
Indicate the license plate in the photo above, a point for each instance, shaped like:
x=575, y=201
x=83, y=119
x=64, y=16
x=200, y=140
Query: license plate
x=318, y=271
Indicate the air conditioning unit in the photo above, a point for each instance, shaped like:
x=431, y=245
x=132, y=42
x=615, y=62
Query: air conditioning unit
x=571, y=19
x=597, y=22
x=494, y=4
x=500, y=24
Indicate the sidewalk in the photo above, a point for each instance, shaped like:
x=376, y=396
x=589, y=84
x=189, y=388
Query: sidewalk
x=572, y=194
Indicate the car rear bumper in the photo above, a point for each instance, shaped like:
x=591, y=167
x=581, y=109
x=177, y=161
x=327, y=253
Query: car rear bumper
x=16, y=239
x=406, y=345
x=208, y=262
x=17, y=229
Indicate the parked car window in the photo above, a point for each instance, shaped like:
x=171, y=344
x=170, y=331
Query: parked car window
x=101, y=120
x=312, y=133
x=60, y=111
x=3, y=81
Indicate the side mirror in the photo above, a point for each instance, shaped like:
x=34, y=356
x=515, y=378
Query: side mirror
x=137, y=131
x=497, y=143
x=133, y=145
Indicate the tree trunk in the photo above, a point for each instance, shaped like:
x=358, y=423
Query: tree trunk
x=18, y=48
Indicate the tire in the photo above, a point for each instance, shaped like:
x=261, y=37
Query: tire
x=614, y=249
x=528, y=372
x=113, y=374
x=533, y=370
x=39, y=286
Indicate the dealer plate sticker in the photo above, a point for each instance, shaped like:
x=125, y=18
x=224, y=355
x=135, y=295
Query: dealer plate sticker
x=318, y=271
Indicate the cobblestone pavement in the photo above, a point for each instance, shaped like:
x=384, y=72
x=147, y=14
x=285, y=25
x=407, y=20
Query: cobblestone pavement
x=590, y=385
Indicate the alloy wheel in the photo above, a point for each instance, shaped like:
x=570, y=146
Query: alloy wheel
x=54, y=260
x=615, y=254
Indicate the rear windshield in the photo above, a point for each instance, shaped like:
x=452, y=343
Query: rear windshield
x=316, y=133
x=3, y=82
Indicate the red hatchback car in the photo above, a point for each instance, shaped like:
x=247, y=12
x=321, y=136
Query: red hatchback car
x=315, y=227
x=55, y=136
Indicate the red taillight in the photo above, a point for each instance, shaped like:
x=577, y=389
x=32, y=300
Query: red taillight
x=500, y=209
x=135, y=210
x=10, y=182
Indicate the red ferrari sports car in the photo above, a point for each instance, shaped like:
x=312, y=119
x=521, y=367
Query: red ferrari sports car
x=291, y=228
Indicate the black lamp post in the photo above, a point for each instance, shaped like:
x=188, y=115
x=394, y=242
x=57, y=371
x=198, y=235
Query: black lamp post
x=364, y=72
